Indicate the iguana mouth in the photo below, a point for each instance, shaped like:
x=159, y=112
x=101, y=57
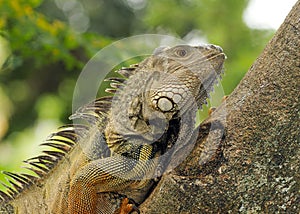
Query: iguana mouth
x=213, y=56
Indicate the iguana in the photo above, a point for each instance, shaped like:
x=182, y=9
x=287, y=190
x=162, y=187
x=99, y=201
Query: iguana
x=109, y=162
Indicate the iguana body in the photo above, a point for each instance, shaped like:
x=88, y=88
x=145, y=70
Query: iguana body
x=120, y=150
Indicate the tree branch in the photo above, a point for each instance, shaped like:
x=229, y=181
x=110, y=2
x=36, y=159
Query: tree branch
x=255, y=167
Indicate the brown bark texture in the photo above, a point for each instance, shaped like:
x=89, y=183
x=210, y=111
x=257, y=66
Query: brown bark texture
x=247, y=155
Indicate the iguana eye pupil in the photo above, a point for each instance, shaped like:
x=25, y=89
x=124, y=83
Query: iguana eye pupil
x=164, y=104
x=181, y=52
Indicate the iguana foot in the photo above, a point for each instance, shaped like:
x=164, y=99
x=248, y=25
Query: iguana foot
x=127, y=207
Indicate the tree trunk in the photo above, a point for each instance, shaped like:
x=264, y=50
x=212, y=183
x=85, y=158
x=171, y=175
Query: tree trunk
x=255, y=165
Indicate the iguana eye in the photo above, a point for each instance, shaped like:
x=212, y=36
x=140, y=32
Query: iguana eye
x=181, y=52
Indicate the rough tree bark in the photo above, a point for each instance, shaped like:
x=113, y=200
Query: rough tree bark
x=256, y=166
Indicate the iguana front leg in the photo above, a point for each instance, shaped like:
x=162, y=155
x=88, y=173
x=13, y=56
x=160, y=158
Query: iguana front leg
x=92, y=184
x=88, y=182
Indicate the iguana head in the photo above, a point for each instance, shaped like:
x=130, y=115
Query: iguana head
x=185, y=72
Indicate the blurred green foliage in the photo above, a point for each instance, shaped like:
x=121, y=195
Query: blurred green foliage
x=45, y=44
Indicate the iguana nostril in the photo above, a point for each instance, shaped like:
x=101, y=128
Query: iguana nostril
x=217, y=47
x=210, y=47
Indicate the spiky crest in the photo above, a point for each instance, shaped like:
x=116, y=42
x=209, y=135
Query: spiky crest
x=60, y=143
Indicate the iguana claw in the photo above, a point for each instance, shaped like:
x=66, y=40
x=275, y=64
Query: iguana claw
x=127, y=207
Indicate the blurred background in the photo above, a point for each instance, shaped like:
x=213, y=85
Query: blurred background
x=45, y=44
